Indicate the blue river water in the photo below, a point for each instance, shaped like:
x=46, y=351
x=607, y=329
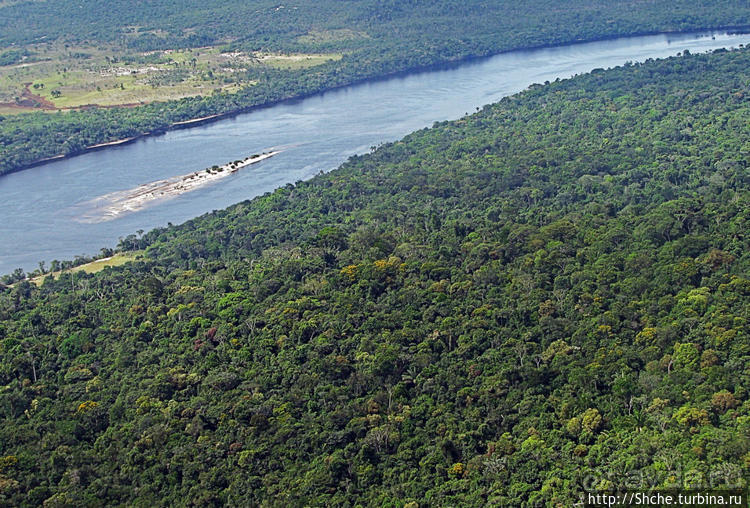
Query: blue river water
x=42, y=207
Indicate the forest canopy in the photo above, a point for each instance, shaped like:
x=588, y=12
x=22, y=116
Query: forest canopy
x=511, y=308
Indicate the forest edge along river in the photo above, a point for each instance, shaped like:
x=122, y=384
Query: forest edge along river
x=44, y=208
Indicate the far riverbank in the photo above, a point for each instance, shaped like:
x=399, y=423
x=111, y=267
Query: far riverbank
x=388, y=71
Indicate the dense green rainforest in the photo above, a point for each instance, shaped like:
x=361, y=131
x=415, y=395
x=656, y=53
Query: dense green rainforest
x=548, y=296
x=376, y=38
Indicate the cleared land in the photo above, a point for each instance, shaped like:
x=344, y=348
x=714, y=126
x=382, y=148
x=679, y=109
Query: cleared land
x=59, y=76
x=95, y=266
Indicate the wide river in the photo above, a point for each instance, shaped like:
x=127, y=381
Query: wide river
x=42, y=208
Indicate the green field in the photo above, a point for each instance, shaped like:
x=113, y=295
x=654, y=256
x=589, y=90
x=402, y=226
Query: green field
x=67, y=76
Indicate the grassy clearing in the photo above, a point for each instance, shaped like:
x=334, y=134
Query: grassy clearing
x=299, y=61
x=118, y=259
x=124, y=90
x=74, y=76
x=330, y=36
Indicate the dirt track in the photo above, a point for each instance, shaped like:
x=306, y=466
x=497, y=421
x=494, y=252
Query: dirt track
x=29, y=100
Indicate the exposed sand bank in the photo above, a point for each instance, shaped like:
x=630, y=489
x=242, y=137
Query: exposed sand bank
x=115, y=204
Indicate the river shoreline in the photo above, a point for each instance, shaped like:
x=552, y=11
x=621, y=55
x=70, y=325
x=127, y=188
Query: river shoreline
x=447, y=64
x=42, y=206
x=186, y=124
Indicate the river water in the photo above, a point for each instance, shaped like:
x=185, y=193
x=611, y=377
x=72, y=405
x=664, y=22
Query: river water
x=42, y=208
